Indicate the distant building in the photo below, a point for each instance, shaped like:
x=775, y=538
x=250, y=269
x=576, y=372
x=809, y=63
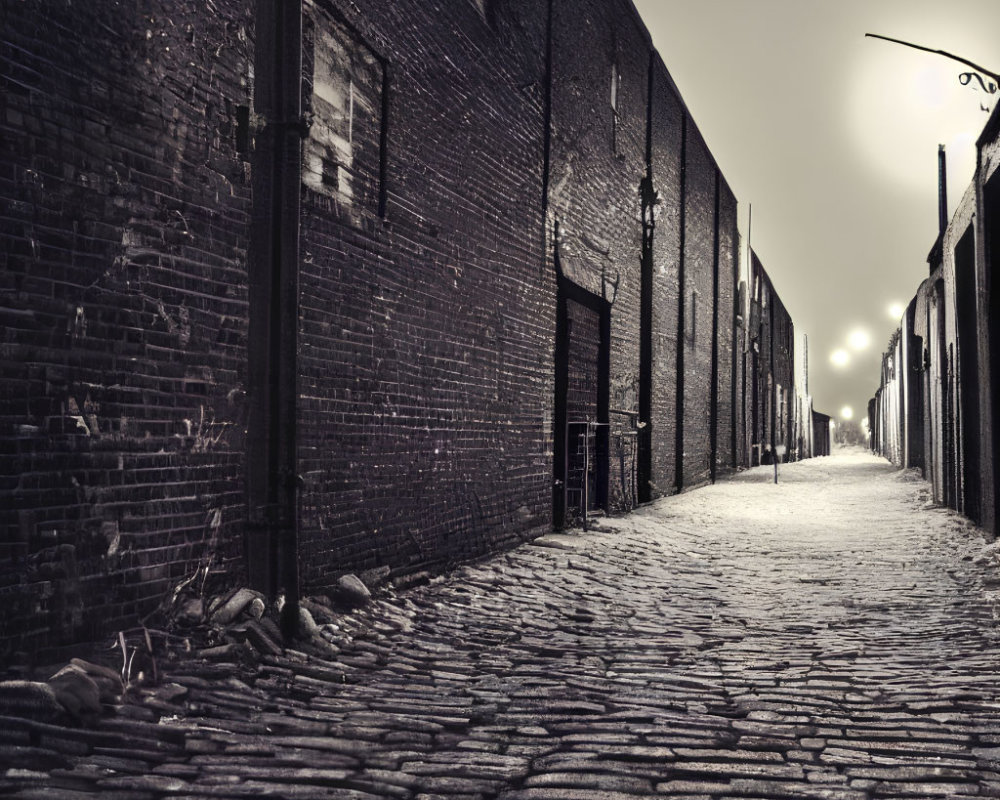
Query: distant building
x=822, y=434
x=770, y=407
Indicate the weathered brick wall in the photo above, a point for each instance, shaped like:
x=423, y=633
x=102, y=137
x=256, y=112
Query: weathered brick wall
x=699, y=261
x=428, y=333
x=600, y=60
x=427, y=324
x=728, y=278
x=123, y=297
x=771, y=363
x=601, y=99
x=667, y=114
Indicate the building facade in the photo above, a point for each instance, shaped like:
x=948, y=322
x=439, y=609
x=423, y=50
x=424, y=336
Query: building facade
x=935, y=406
x=771, y=404
x=292, y=290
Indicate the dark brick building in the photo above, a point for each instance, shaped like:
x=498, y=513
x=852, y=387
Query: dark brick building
x=987, y=270
x=821, y=434
x=467, y=274
x=770, y=406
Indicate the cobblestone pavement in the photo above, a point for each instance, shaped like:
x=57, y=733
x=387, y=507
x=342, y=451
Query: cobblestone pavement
x=833, y=636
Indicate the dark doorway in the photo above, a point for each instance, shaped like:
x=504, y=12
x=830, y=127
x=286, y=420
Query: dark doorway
x=915, y=393
x=968, y=371
x=580, y=458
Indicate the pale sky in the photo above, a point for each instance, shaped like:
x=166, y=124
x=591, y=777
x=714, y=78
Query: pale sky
x=832, y=138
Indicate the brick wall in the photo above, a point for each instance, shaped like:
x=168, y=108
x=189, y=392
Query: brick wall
x=123, y=296
x=699, y=263
x=771, y=363
x=599, y=77
x=667, y=115
x=440, y=156
x=603, y=97
x=726, y=299
x=426, y=331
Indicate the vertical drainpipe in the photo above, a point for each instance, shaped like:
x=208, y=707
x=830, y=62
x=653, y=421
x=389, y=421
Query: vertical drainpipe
x=546, y=133
x=559, y=351
x=942, y=192
x=288, y=131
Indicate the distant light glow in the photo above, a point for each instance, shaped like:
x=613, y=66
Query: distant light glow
x=859, y=339
x=846, y=412
x=864, y=423
x=840, y=358
x=895, y=310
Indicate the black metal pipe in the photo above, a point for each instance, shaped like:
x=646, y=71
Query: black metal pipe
x=942, y=191
x=288, y=131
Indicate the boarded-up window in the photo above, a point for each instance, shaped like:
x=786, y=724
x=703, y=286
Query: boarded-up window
x=344, y=86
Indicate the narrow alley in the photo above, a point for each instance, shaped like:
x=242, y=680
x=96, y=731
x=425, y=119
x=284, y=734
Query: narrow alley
x=831, y=636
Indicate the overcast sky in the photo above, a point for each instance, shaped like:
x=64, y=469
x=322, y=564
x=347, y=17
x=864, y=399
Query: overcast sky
x=832, y=139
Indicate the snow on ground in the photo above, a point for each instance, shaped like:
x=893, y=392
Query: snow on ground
x=831, y=636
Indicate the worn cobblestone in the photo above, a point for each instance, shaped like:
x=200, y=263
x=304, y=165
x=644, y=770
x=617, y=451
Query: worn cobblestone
x=832, y=636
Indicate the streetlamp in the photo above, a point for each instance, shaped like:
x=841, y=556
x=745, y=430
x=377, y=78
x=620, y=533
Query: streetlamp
x=966, y=77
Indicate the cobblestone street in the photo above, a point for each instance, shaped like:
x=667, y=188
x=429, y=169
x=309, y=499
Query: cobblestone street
x=832, y=636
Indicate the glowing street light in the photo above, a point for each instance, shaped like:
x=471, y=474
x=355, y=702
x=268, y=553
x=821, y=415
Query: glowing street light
x=846, y=412
x=840, y=358
x=859, y=339
x=895, y=310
